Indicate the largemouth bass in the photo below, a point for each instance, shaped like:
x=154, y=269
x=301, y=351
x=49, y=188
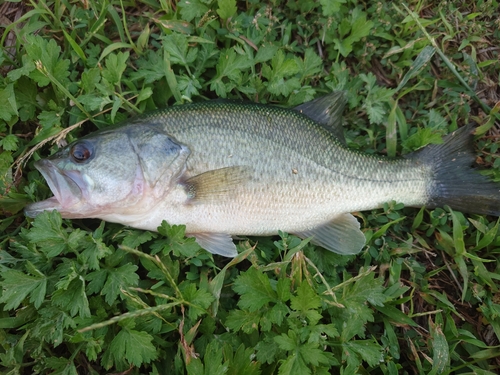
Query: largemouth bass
x=230, y=168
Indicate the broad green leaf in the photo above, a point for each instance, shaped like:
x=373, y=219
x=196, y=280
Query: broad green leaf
x=440, y=348
x=420, y=61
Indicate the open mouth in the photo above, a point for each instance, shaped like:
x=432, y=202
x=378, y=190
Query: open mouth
x=64, y=186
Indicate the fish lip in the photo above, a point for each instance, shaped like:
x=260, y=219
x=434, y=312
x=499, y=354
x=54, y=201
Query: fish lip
x=66, y=187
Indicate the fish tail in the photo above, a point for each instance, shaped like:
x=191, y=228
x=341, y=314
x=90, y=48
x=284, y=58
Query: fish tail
x=454, y=181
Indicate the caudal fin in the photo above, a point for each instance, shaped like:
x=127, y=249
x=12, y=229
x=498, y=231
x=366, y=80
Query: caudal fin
x=455, y=182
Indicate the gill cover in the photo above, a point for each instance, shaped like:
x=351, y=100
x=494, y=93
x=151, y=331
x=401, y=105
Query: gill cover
x=160, y=156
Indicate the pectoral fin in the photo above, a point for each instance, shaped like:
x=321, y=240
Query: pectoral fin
x=217, y=184
x=216, y=243
x=342, y=235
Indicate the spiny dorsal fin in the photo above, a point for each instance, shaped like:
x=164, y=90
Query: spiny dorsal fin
x=342, y=235
x=327, y=111
x=216, y=184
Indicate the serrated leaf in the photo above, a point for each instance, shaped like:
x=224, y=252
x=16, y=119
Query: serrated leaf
x=376, y=113
x=213, y=359
x=135, y=347
x=73, y=298
x=360, y=27
x=313, y=355
x=109, y=281
x=287, y=341
x=191, y=9
x=46, y=56
x=94, y=102
x=265, y=53
x=230, y=66
x=199, y=299
x=306, y=299
x=94, y=251
x=243, y=320
x=279, y=75
x=26, y=68
x=151, y=67
x=177, y=47
x=255, y=290
x=283, y=289
x=47, y=234
x=367, y=350
x=61, y=366
x=90, y=78
x=422, y=138
x=115, y=66
x=26, y=93
x=9, y=142
x=8, y=106
x=243, y=363
x=227, y=8
x=16, y=286
x=176, y=241
x=266, y=349
x=50, y=119
x=330, y=7
x=311, y=64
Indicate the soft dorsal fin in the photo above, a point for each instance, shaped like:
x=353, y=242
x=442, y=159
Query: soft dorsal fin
x=327, y=111
x=342, y=235
x=216, y=184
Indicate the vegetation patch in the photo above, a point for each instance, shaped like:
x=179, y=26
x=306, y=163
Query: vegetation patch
x=89, y=297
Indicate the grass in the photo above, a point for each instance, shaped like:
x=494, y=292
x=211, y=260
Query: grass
x=88, y=297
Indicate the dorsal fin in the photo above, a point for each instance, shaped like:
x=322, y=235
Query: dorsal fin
x=327, y=111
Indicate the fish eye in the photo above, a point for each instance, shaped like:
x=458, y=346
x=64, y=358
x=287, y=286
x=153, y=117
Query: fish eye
x=81, y=152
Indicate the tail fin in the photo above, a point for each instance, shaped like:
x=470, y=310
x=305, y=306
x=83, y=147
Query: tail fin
x=455, y=182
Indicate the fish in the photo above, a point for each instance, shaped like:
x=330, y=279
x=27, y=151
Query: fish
x=230, y=168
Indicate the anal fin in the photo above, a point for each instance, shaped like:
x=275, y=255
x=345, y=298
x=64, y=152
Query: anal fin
x=341, y=236
x=216, y=243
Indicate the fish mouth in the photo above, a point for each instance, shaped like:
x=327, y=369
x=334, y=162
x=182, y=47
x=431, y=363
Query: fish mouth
x=67, y=187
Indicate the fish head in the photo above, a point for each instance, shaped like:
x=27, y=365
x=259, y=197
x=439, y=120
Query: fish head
x=114, y=172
